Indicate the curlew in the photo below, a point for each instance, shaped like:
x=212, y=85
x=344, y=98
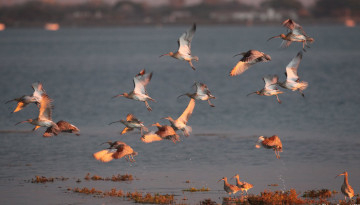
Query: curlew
x=139, y=93
x=295, y=34
x=249, y=58
x=163, y=132
x=244, y=186
x=184, y=50
x=346, y=189
x=63, y=127
x=24, y=100
x=131, y=123
x=273, y=142
x=229, y=188
x=116, y=150
x=180, y=123
x=270, y=87
x=202, y=93
x=292, y=79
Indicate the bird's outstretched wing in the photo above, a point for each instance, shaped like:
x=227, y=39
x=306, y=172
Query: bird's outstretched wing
x=272, y=141
x=131, y=117
x=38, y=90
x=249, y=58
x=140, y=81
x=184, y=117
x=270, y=82
x=185, y=40
x=45, y=111
x=292, y=67
x=202, y=89
x=294, y=27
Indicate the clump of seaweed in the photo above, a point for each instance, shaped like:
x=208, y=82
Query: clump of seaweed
x=114, y=178
x=207, y=202
x=154, y=199
x=323, y=193
x=42, y=179
x=88, y=191
x=193, y=189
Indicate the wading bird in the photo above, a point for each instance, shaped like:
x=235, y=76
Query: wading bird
x=270, y=87
x=184, y=50
x=116, y=150
x=24, y=100
x=346, y=189
x=202, y=93
x=244, y=186
x=249, y=58
x=295, y=34
x=131, y=122
x=63, y=127
x=180, y=123
x=229, y=188
x=292, y=79
x=45, y=116
x=139, y=93
x=273, y=142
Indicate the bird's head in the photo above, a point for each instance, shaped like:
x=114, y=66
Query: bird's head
x=310, y=39
x=236, y=176
x=344, y=173
x=121, y=95
x=223, y=179
x=156, y=125
x=256, y=92
x=267, y=57
x=168, y=118
x=283, y=36
x=28, y=120
x=167, y=54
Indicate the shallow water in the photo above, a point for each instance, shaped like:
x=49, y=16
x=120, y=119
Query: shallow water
x=81, y=69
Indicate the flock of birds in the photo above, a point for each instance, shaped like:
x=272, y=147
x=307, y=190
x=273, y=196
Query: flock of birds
x=119, y=149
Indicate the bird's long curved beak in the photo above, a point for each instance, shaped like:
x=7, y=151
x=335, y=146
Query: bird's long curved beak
x=113, y=122
x=117, y=96
x=21, y=122
x=220, y=180
x=166, y=54
x=232, y=177
x=251, y=93
x=274, y=37
x=181, y=96
x=339, y=175
x=237, y=54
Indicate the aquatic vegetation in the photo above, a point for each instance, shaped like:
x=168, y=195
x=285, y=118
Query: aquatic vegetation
x=207, y=202
x=323, y=193
x=193, y=189
x=273, y=185
x=114, y=178
x=42, y=179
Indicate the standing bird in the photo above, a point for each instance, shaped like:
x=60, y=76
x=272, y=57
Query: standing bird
x=116, y=150
x=45, y=116
x=131, y=122
x=139, y=93
x=180, y=123
x=273, y=142
x=229, y=188
x=202, y=93
x=24, y=100
x=63, y=127
x=346, y=189
x=295, y=34
x=270, y=87
x=184, y=50
x=244, y=186
x=292, y=79
x=249, y=58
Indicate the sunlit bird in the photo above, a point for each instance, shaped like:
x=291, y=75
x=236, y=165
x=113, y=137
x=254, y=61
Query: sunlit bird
x=139, y=93
x=202, y=93
x=244, y=186
x=270, y=87
x=45, y=115
x=295, y=34
x=346, y=189
x=131, y=123
x=249, y=58
x=184, y=50
x=292, y=79
x=273, y=142
x=229, y=188
x=63, y=127
x=181, y=122
x=24, y=100
x=116, y=150
x=163, y=132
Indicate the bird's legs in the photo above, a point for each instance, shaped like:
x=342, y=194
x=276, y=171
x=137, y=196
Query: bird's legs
x=148, y=106
x=277, y=97
x=191, y=65
x=302, y=94
x=212, y=105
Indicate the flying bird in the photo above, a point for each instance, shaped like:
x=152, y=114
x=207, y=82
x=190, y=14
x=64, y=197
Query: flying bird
x=184, y=50
x=244, y=186
x=202, y=93
x=24, y=100
x=181, y=122
x=45, y=115
x=295, y=34
x=63, y=127
x=270, y=87
x=139, y=93
x=273, y=142
x=131, y=122
x=163, y=132
x=116, y=150
x=346, y=189
x=249, y=58
x=292, y=79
